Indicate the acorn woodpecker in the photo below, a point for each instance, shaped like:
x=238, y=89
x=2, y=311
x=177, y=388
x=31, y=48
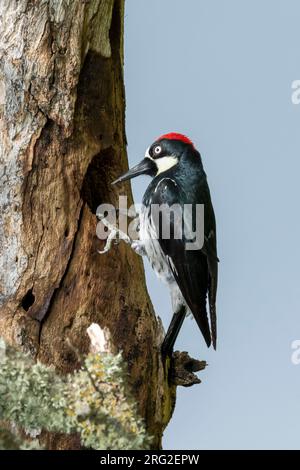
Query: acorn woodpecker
x=178, y=178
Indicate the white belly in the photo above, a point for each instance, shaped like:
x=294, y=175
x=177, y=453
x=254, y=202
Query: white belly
x=158, y=259
x=156, y=256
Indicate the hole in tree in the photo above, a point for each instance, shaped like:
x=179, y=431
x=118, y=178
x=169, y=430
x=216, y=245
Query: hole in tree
x=96, y=186
x=28, y=300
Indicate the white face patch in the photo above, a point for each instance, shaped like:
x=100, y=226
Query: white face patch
x=162, y=163
x=147, y=154
x=165, y=163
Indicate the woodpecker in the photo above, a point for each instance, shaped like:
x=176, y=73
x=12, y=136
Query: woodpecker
x=178, y=177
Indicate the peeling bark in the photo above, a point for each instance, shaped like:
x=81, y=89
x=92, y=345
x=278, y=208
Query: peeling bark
x=62, y=143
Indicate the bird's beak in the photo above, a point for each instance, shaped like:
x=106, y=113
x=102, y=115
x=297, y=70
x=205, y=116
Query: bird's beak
x=145, y=167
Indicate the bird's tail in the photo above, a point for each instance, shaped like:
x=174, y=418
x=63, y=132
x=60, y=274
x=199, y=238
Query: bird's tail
x=213, y=323
x=202, y=321
x=212, y=294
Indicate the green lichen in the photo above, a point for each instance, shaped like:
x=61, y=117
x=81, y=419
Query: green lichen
x=93, y=401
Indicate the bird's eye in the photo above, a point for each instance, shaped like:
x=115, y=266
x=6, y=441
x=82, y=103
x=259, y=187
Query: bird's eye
x=157, y=150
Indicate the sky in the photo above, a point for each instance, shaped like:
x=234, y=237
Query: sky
x=222, y=73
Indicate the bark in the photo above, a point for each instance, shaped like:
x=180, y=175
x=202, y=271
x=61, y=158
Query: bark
x=62, y=143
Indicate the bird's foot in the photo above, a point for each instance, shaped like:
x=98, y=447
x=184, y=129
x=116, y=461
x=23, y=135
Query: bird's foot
x=138, y=247
x=115, y=235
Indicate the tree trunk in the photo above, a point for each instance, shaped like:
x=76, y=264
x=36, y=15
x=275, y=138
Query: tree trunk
x=62, y=143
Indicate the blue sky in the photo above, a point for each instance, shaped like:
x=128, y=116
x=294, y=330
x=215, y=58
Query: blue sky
x=222, y=72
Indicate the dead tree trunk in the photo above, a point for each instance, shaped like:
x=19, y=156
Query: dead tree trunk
x=62, y=143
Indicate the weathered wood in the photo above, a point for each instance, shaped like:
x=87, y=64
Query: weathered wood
x=62, y=143
x=182, y=369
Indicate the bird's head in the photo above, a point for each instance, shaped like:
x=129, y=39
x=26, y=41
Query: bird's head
x=162, y=155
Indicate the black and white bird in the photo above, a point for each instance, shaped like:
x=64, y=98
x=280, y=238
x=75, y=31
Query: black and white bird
x=178, y=179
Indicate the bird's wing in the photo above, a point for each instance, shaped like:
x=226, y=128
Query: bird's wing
x=192, y=269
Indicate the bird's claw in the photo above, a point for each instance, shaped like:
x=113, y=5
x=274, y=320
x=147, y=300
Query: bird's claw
x=116, y=235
